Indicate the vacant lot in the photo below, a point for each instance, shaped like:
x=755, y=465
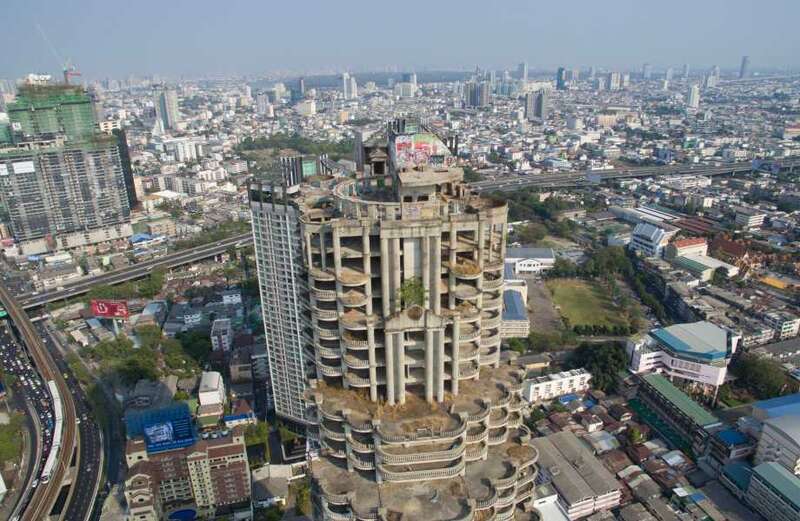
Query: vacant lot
x=11, y=438
x=584, y=303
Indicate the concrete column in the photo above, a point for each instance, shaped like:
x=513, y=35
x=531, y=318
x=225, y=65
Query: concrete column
x=373, y=371
x=429, y=384
x=348, y=448
x=451, y=281
x=440, y=364
x=437, y=274
x=396, y=279
x=367, y=268
x=385, y=265
x=426, y=270
x=400, y=365
x=322, y=249
x=456, y=371
x=389, y=368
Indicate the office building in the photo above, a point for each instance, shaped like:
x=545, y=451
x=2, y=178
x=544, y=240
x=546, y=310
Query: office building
x=774, y=493
x=536, y=106
x=693, y=97
x=167, y=109
x=561, y=79
x=400, y=313
x=614, y=81
x=647, y=71
x=170, y=469
x=522, y=71
x=349, y=86
x=583, y=484
x=779, y=442
x=477, y=94
x=744, y=68
x=695, y=356
x=749, y=218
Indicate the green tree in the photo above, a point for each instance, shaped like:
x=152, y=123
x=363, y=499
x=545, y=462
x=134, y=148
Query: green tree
x=603, y=361
x=518, y=345
x=531, y=233
x=412, y=292
x=634, y=435
x=720, y=276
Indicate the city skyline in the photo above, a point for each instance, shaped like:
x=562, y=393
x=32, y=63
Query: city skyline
x=167, y=39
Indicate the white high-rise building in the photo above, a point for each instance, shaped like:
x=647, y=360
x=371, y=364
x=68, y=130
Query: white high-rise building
x=693, y=97
x=167, y=108
x=279, y=263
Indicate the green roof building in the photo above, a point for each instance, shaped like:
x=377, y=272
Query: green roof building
x=774, y=492
x=49, y=110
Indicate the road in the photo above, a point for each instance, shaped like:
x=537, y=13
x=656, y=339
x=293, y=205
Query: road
x=136, y=271
x=45, y=494
x=86, y=484
x=511, y=183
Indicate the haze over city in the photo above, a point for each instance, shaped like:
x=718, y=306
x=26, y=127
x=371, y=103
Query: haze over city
x=206, y=37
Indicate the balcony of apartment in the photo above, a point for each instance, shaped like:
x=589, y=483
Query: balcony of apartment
x=464, y=291
x=354, y=342
x=349, y=276
x=491, y=319
x=355, y=319
x=494, y=266
x=355, y=380
x=328, y=351
x=322, y=275
x=331, y=515
x=351, y=247
x=362, y=462
x=431, y=453
x=367, y=447
x=316, y=248
x=323, y=294
x=423, y=474
x=476, y=452
x=490, y=284
x=468, y=333
x=492, y=300
x=467, y=370
x=353, y=297
x=498, y=418
x=329, y=369
x=327, y=333
x=498, y=436
x=468, y=352
x=324, y=311
x=356, y=362
x=332, y=431
x=477, y=433
x=466, y=269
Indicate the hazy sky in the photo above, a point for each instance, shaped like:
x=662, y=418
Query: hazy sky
x=196, y=37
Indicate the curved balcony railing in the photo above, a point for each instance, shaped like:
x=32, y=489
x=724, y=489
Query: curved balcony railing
x=475, y=453
x=440, y=435
x=467, y=371
x=357, y=381
x=421, y=457
x=469, y=334
x=330, y=515
x=492, y=284
x=351, y=277
x=323, y=294
x=336, y=499
x=496, y=265
x=479, y=416
x=478, y=436
x=492, y=303
x=353, y=343
x=491, y=341
x=354, y=298
x=498, y=420
x=324, y=314
x=360, y=446
x=329, y=370
x=328, y=334
x=328, y=433
x=329, y=352
x=355, y=362
x=330, y=414
x=360, y=463
x=420, y=475
x=488, y=502
x=320, y=274
x=497, y=439
x=494, y=321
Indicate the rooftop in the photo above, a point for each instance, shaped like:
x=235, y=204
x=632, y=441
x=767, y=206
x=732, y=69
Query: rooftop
x=788, y=424
x=702, y=340
x=781, y=480
x=774, y=407
x=575, y=472
x=530, y=253
x=680, y=400
x=513, y=306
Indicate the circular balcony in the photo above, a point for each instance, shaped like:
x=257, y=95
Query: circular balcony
x=353, y=298
x=492, y=284
x=324, y=314
x=357, y=381
x=355, y=362
x=328, y=334
x=491, y=301
x=333, y=371
x=466, y=270
x=329, y=352
x=491, y=320
x=493, y=266
x=323, y=294
x=466, y=292
x=351, y=342
x=356, y=320
x=351, y=277
x=468, y=333
x=322, y=275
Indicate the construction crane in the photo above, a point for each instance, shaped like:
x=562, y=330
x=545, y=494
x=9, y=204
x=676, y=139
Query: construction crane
x=69, y=71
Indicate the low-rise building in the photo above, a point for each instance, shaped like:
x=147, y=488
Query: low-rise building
x=221, y=335
x=695, y=354
x=551, y=386
x=650, y=240
x=779, y=442
x=786, y=325
x=774, y=493
x=690, y=246
x=212, y=389
x=583, y=484
x=530, y=260
x=515, y=323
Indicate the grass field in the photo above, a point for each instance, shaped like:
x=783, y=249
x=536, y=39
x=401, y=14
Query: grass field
x=11, y=439
x=584, y=303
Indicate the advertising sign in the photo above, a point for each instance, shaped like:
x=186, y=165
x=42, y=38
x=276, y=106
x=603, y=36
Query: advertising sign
x=109, y=308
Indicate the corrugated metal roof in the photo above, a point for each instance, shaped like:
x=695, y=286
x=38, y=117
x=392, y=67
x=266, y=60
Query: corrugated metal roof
x=680, y=400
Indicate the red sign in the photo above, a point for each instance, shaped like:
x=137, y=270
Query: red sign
x=110, y=308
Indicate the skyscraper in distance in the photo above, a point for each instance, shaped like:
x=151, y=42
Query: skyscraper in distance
x=744, y=68
x=536, y=106
x=647, y=71
x=167, y=108
x=561, y=79
x=522, y=71
x=685, y=72
x=693, y=97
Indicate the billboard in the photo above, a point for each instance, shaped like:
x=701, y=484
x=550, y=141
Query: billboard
x=159, y=433
x=420, y=149
x=109, y=308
